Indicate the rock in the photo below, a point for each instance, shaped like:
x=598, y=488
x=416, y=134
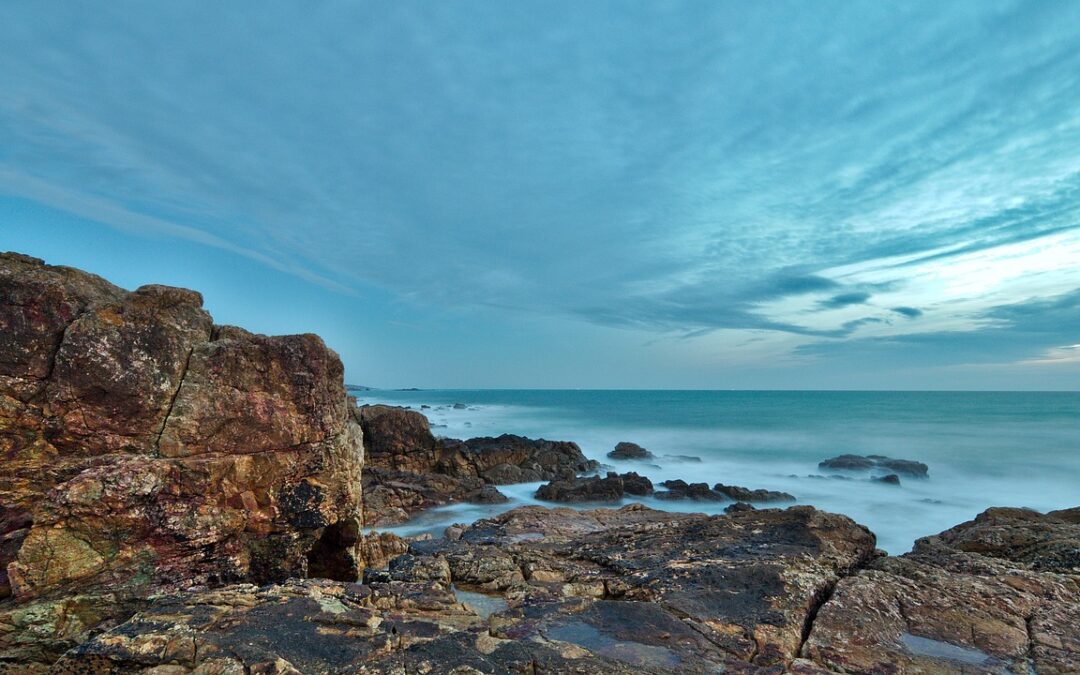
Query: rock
x=400, y=440
x=745, y=582
x=636, y=485
x=377, y=549
x=595, y=489
x=514, y=459
x=605, y=591
x=738, y=507
x=393, y=497
x=700, y=492
x=891, y=479
x=690, y=459
x=864, y=463
x=146, y=449
x=626, y=450
x=397, y=439
x=742, y=494
x=460, y=406
x=412, y=471
x=998, y=594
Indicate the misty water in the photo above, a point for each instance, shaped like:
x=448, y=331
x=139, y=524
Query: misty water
x=983, y=448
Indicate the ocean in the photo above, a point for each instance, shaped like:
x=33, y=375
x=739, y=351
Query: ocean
x=983, y=448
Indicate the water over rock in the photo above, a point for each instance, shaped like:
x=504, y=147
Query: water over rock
x=868, y=462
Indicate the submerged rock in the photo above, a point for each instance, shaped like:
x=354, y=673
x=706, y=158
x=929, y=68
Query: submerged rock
x=626, y=450
x=742, y=494
x=891, y=479
x=865, y=463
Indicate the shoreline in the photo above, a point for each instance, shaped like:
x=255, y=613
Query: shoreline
x=182, y=497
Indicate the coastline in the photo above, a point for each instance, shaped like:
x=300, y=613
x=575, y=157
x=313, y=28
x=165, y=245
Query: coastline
x=186, y=497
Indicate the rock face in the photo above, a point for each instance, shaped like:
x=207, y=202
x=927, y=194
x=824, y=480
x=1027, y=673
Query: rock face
x=145, y=449
x=865, y=463
x=998, y=594
x=626, y=450
x=409, y=470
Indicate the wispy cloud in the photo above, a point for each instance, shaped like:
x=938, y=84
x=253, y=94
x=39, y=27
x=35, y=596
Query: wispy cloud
x=675, y=168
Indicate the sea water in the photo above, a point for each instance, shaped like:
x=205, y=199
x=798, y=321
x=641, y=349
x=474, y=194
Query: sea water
x=983, y=448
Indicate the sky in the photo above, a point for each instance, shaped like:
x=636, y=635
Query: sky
x=852, y=195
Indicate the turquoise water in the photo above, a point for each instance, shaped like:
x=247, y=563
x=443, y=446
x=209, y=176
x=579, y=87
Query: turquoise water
x=983, y=448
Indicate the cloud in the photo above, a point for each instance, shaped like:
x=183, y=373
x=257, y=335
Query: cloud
x=577, y=160
x=844, y=300
x=909, y=312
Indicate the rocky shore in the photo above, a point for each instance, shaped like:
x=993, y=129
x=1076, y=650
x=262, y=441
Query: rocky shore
x=183, y=497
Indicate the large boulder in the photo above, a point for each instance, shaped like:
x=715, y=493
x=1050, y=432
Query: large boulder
x=146, y=449
x=507, y=459
x=398, y=439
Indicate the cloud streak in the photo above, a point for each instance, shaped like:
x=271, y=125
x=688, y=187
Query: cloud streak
x=675, y=168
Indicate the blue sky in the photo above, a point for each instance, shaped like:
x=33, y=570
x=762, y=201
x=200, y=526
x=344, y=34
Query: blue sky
x=701, y=195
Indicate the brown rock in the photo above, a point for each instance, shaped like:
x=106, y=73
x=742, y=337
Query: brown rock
x=397, y=439
x=145, y=450
x=998, y=594
x=392, y=497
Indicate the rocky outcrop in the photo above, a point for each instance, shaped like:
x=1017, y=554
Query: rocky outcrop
x=865, y=463
x=606, y=591
x=410, y=470
x=610, y=488
x=741, y=494
x=625, y=450
x=635, y=590
x=147, y=449
x=998, y=594
x=392, y=497
x=698, y=492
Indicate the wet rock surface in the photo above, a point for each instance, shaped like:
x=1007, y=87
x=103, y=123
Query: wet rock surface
x=868, y=462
